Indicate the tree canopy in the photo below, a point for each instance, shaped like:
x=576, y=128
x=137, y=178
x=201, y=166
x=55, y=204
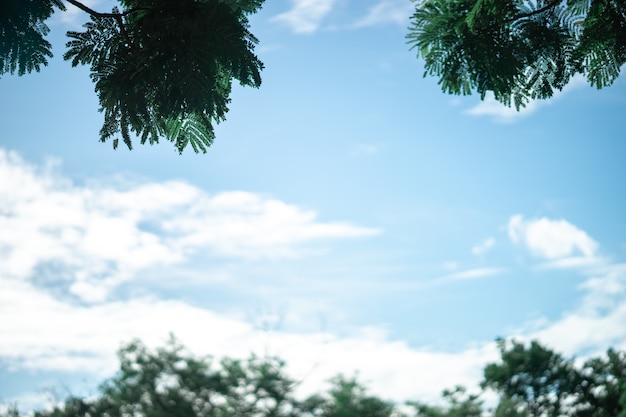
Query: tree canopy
x=535, y=381
x=165, y=68
x=520, y=50
x=529, y=380
x=161, y=68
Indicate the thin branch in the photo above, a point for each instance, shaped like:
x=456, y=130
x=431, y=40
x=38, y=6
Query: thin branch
x=549, y=6
x=94, y=13
x=117, y=16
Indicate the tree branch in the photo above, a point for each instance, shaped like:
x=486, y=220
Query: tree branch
x=549, y=6
x=94, y=13
x=117, y=16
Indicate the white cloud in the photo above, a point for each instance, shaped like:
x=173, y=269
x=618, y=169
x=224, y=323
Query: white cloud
x=499, y=112
x=306, y=15
x=472, y=274
x=94, y=238
x=75, y=17
x=551, y=239
x=59, y=336
x=388, y=11
x=484, y=247
x=504, y=114
x=596, y=323
x=41, y=331
x=578, y=262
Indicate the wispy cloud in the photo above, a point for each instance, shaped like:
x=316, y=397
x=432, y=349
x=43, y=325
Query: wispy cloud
x=75, y=17
x=45, y=332
x=499, y=112
x=387, y=12
x=306, y=16
x=57, y=336
x=484, y=246
x=472, y=274
x=597, y=322
x=95, y=238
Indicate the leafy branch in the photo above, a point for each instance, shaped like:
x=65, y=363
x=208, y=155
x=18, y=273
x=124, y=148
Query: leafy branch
x=161, y=68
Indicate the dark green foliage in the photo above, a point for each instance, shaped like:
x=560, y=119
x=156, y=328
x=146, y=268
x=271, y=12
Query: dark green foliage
x=602, y=387
x=530, y=380
x=164, y=68
x=11, y=411
x=508, y=407
x=518, y=49
x=161, y=68
x=170, y=383
x=347, y=398
x=22, y=30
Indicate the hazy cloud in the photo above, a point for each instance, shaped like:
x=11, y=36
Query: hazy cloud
x=59, y=336
x=97, y=237
x=597, y=322
x=75, y=17
x=386, y=12
x=484, y=247
x=41, y=331
x=306, y=16
x=472, y=274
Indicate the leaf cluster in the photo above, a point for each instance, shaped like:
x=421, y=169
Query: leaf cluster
x=346, y=398
x=534, y=381
x=23, y=48
x=459, y=404
x=520, y=50
x=536, y=376
x=530, y=381
x=164, y=68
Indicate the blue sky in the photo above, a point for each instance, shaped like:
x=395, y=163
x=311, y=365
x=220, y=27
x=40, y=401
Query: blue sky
x=349, y=217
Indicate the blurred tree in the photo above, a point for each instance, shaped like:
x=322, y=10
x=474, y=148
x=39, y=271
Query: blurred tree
x=532, y=381
x=346, y=398
x=520, y=50
x=602, y=389
x=161, y=68
x=170, y=383
x=508, y=407
x=458, y=404
x=535, y=378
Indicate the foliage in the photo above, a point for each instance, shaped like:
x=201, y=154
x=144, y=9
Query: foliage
x=534, y=376
x=161, y=68
x=531, y=381
x=535, y=381
x=347, y=398
x=602, y=387
x=459, y=404
x=23, y=47
x=520, y=50
x=171, y=383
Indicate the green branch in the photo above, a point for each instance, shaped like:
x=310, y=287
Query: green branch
x=549, y=6
x=117, y=16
